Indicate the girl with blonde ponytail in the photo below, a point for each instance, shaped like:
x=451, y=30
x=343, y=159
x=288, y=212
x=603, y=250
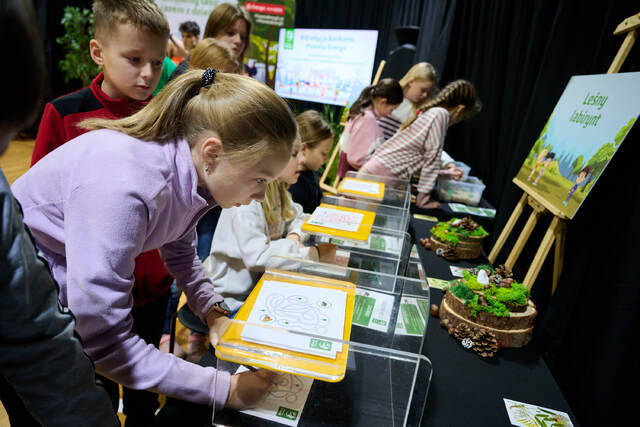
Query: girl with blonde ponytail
x=141, y=183
x=247, y=236
x=418, y=146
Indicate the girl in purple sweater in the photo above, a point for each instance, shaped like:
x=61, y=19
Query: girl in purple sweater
x=141, y=183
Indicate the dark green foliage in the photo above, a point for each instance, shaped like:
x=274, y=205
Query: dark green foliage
x=77, y=62
x=461, y=290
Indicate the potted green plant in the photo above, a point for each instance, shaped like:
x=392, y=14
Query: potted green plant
x=77, y=62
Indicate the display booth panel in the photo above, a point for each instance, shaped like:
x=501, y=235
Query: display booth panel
x=373, y=375
x=385, y=251
x=396, y=191
x=391, y=217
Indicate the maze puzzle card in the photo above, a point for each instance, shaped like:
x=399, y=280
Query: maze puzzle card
x=285, y=401
x=284, y=307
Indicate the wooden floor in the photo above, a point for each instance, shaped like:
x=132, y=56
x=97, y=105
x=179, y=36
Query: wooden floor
x=15, y=162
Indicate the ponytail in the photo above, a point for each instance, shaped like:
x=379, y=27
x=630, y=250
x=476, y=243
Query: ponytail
x=247, y=116
x=389, y=89
x=458, y=92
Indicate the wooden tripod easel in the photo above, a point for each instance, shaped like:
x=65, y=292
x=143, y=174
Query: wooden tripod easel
x=556, y=233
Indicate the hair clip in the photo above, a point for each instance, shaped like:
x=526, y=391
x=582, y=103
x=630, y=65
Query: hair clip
x=208, y=77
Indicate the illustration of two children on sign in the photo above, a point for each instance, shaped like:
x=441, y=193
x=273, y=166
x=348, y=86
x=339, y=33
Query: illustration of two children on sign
x=544, y=159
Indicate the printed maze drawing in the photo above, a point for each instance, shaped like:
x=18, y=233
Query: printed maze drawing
x=296, y=311
x=288, y=389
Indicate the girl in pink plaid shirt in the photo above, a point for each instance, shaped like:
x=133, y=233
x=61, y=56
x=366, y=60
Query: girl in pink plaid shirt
x=362, y=135
x=418, y=145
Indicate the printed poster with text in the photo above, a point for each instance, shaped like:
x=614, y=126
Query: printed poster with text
x=266, y=17
x=586, y=128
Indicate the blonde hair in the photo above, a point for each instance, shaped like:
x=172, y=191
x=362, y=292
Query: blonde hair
x=458, y=92
x=222, y=18
x=213, y=53
x=143, y=14
x=420, y=71
x=247, y=116
x=313, y=129
x=277, y=194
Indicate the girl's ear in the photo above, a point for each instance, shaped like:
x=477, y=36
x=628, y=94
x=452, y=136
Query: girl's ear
x=210, y=150
x=96, y=52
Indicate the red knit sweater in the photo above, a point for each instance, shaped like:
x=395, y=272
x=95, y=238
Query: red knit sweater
x=59, y=125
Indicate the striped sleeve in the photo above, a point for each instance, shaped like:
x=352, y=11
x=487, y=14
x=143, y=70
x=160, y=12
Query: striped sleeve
x=433, y=150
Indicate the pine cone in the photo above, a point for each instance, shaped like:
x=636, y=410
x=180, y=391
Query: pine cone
x=503, y=271
x=449, y=253
x=485, y=343
x=463, y=331
x=468, y=224
x=496, y=279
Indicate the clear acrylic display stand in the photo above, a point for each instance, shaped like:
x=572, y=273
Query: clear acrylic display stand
x=386, y=251
x=389, y=217
x=385, y=381
x=397, y=192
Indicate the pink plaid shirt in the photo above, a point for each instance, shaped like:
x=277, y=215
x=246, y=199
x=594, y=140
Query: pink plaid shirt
x=417, y=147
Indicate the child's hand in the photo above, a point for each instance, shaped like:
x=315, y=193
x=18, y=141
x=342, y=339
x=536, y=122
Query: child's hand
x=218, y=324
x=327, y=252
x=456, y=172
x=423, y=201
x=249, y=388
x=295, y=237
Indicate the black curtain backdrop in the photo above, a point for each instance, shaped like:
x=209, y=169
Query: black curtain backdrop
x=436, y=24
x=521, y=56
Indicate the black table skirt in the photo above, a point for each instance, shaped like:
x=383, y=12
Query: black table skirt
x=466, y=389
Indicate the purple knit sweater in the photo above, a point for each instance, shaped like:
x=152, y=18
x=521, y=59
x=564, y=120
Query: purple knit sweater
x=93, y=205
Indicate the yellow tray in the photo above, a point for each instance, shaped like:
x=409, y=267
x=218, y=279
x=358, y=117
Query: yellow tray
x=374, y=196
x=360, y=235
x=234, y=349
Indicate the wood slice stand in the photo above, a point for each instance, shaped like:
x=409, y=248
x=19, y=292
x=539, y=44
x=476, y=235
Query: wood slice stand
x=556, y=233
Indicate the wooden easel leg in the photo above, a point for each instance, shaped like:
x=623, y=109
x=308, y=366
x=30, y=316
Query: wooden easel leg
x=517, y=211
x=543, y=250
x=522, y=239
x=561, y=233
x=627, y=44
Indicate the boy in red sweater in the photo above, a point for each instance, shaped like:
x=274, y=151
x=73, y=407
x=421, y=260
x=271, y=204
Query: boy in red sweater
x=130, y=42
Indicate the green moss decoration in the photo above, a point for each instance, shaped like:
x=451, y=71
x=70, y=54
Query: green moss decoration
x=516, y=294
x=442, y=233
x=445, y=232
x=461, y=290
x=479, y=232
x=472, y=281
x=498, y=298
x=494, y=307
